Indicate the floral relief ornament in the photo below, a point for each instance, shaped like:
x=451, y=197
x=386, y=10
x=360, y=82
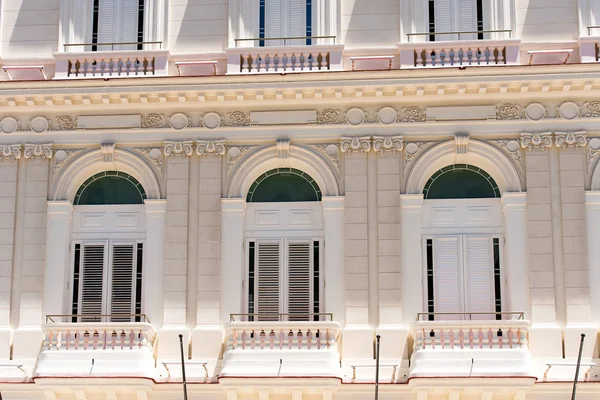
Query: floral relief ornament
x=537, y=141
x=509, y=111
x=330, y=116
x=38, y=151
x=591, y=109
x=564, y=140
x=181, y=149
x=153, y=121
x=355, y=144
x=383, y=144
x=210, y=147
x=412, y=114
x=237, y=118
x=65, y=123
x=10, y=152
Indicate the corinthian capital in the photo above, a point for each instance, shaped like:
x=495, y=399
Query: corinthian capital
x=210, y=148
x=564, y=140
x=181, y=149
x=10, y=152
x=38, y=151
x=355, y=144
x=538, y=141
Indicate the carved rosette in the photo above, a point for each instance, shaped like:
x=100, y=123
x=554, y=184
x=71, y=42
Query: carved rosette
x=330, y=116
x=509, y=111
x=355, y=144
x=10, y=152
x=564, y=140
x=65, y=123
x=412, y=114
x=237, y=118
x=591, y=109
x=38, y=151
x=210, y=148
x=153, y=121
x=537, y=141
x=383, y=144
x=179, y=149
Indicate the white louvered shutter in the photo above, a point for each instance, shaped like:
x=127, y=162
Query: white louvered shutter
x=447, y=276
x=273, y=22
x=129, y=23
x=92, y=277
x=299, y=285
x=467, y=19
x=107, y=26
x=297, y=20
x=268, y=281
x=122, y=293
x=444, y=16
x=479, y=274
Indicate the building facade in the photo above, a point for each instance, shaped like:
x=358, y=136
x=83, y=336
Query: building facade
x=281, y=181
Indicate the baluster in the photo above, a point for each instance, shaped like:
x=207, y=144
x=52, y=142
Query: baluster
x=67, y=339
x=102, y=67
x=500, y=337
x=141, y=339
x=487, y=56
x=499, y=55
x=128, y=65
x=451, y=56
x=510, y=338
x=252, y=339
x=293, y=61
x=271, y=339
x=234, y=339
x=122, y=336
x=113, y=340
x=250, y=61
x=309, y=339
x=471, y=337
x=93, y=67
x=470, y=55
x=299, y=337
x=86, y=340
x=442, y=57
x=310, y=62
x=111, y=66
x=76, y=340
x=267, y=62
x=327, y=338
x=301, y=61
x=478, y=56
x=95, y=340
x=104, y=339
x=281, y=339
x=257, y=63
x=480, y=337
x=262, y=339
x=442, y=338
x=519, y=337
x=48, y=340
x=428, y=57
x=432, y=336
x=244, y=339
x=277, y=61
x=318, y=334
x=490, y=336
x=242, y=63
x=451, y=338
x=131, y=339
x=461, y=338
x=461, y=56
x=77, y=67
x=290, y=339
x=136, y=66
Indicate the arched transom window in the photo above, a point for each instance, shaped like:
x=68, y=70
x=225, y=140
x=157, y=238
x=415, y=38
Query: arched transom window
x=110, y=187
x=461, y=181
x=283, y=185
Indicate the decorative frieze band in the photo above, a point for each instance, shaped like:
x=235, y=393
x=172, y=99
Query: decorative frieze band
x=10, y=152
x=563, y=140
x=203, y=148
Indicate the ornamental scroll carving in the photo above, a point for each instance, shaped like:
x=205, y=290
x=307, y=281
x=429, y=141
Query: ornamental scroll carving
x=65, y=123
x=383, y=144
x=591, y=109
x=237, y=118
x=38, y=151
x=210, y=148
x=355, y=145
x=412, y=114
x=179, y=149
x=330, y=116
x=509, y=111
x=564, y=140
x=153, y=121
x=536, y=141
x=10, y=152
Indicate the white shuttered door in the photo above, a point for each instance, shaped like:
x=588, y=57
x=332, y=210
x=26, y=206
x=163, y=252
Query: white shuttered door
x=285, y=18
x=129, y=23
x=299, y=281
x=92, y=279
x=122, y=289
x=444, y=17
x=467, y=19
x=479, y=275
x=117, y=22
x=447, y=275
x=455, y=16
x=273, y=21
x=268, y=284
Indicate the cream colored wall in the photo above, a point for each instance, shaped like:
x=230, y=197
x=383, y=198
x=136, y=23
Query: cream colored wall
x=546, y=20
x=198, y=25
x=366, y=23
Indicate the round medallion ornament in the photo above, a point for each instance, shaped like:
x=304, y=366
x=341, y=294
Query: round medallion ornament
x=412, y=148
x=39, y=124
x=355, y=116
x=60, y=155
x=211, y=120
x=513, y=146
x=535, y=111
x=332, y=150
x=179, y=121
x=568, y=110
x=594, y=144
x=387, y=115
x=8, y=125
x=234, y=152
x=155, y=154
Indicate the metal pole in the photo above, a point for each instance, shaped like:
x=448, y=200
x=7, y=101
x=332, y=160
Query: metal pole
x=578, y=365
x=377, y=368
x=183, y=368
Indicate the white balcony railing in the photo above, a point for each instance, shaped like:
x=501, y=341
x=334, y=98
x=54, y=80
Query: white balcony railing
x=459, y=53
x=125, y=349
x=281, y=349
x=471, y=348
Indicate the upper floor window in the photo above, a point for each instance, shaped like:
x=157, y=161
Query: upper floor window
x=282, y=20
x=456, y=19
x=118, y=23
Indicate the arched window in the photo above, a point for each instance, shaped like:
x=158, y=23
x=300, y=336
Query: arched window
x=461, y=181
x=283, y=185
x=110, y=187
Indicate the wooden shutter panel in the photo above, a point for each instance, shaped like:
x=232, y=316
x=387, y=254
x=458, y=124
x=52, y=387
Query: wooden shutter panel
x=447, y=276
x=107, y=28
x=129, y=23
x=479, y=271
x=297, y=20
x=467, y=19
x=299, y=283
x=122, y=296
x=444, y=15
x=273, y=22
x=92, y=276
x=268, y=281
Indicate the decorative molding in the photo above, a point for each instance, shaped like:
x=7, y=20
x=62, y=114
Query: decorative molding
x=210, y=148
x=371, y=117
x=331, y=151
x=181, y=149
x=413, y=150
x=412, y=114
x=461, y=143
x=355, y=144
x=64, y=123
x=383, y=144
x=154, y=121
x=283, y=148
x=154, y=154
x=38, y=151
x=512, y=148
x=61, y=156
x=108, y=151
x=330, y=116
x=10, y=152
x=236, y=118
x=236, y=153
x=591, y=109
x=576, y=139
x=509, y=112
x=538, y=141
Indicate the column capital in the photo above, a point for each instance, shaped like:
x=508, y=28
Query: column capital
x=233, y=205
x=156, y=205
x=332, y=203
x=59, y=208
x=513, y=200
x=411, y=200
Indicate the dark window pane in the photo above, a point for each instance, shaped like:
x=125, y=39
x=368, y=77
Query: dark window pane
x=284, y=185
x=461, y=182
x=110, y=188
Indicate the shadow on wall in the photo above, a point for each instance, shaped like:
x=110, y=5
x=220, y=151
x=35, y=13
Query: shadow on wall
x=197, y=26
x=546, y=20
x=370, y=23
x=30, y=28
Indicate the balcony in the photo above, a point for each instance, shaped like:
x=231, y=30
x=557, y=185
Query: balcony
x=281, y=348
x=111, y=60
x=589, y=46
x=471, y=347
x=447, y=52
x=284, y=55
x=97, y=349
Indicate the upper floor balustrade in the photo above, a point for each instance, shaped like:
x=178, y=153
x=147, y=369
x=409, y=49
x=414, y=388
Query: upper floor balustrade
x=281, y=345
x=470, y=345
x=97, y=345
